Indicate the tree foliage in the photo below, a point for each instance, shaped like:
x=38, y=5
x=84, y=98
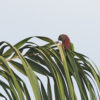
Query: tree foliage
x=66, y=68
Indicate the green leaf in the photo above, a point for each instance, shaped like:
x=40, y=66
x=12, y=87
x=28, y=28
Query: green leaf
x=72, y=46
x=1, y=95
x=76, y=73
x=43, y=91
x=18, y=66
x=51, y=65
x=31, y=75
x=38, y=68
x=26, y=92
x=45, y=39
x=13, y=91
x=57, y=95
x=68, y=78
x=14, y=79
x=49, y=90
x=18, y=45
x=95, y=76
x=2, y=49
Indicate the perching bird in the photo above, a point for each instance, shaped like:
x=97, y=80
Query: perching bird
x=67, y=44
x=65, y=41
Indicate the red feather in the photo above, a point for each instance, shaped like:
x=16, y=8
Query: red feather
x=66, y=43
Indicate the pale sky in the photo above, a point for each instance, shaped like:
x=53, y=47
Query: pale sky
x=79, y=19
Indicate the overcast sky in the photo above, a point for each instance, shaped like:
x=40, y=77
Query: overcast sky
x=79, y=19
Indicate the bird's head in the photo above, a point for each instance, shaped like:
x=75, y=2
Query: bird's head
x=65, y=41
x=63, y=37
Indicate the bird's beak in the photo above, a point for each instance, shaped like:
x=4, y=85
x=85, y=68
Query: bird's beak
x=60, y=38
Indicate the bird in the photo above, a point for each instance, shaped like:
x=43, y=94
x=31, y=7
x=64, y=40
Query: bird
x=68, y=46
x=65, y=41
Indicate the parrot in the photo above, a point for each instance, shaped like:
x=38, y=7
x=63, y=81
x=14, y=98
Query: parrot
x=67, y=44
x=65, y=41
